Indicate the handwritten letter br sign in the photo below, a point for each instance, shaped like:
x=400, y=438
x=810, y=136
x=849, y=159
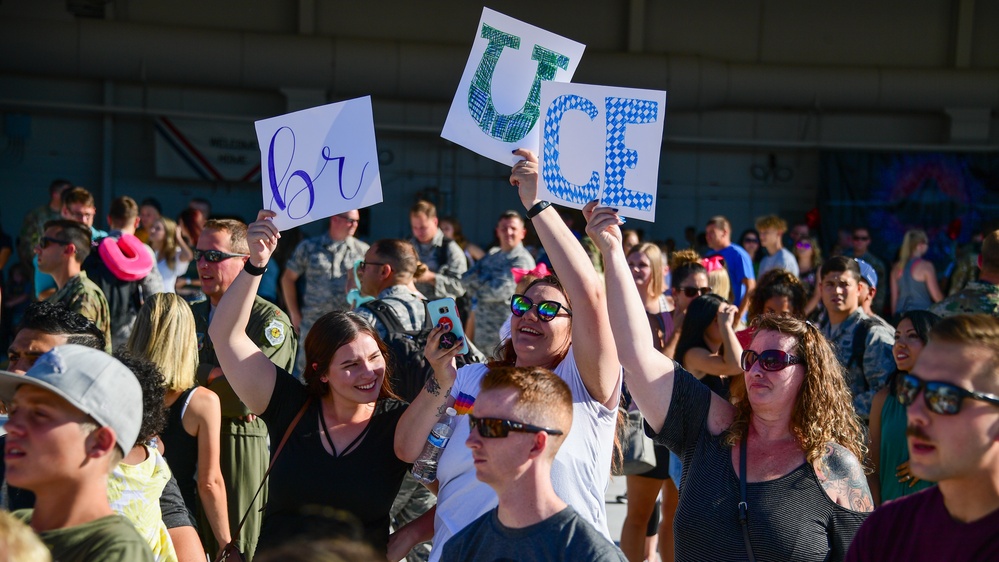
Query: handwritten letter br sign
x=497, y=107
x=601, y=142
x=319, y=162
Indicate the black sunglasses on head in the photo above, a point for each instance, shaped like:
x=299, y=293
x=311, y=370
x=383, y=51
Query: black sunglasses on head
x=691, y=292
x=495, y=427
x=770, y=360
x=941, y=397
x=547, y=310
x=215, y=256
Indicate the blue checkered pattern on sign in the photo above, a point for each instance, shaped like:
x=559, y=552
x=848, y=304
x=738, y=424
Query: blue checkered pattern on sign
x=619, y=158
x=551, y=171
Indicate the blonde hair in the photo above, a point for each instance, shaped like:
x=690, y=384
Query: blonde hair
x=165, y=334
x=771, y=222
x=168, y=250
x=656, y=263
x=823, y=411
x=542, y=398
x=18, y=543
x=720, y=284
x=683, y=257
x=913, y=238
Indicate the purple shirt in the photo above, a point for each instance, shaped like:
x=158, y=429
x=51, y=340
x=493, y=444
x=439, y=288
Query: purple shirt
x=919, y=527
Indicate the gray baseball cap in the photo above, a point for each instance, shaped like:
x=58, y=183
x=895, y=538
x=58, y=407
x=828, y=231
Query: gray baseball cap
x=93, y=381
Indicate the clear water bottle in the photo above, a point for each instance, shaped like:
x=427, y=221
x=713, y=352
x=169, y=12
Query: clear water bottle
x=425, y=467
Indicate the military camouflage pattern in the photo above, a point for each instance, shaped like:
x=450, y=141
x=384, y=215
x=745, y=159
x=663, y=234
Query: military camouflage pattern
x=867, y=379
x=408, y=308
x=325, y=265
x=82, y=295
x=448, y=280
x=491, y=282
x=977, y=297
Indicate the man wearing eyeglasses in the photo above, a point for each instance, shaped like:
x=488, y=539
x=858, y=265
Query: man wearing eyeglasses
x=521, y=419
x=61, y=251
x=861, y=241
x=952, y=399
x=221, y=254
x=326, y=263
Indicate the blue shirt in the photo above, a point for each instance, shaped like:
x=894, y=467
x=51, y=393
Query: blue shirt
x=740, y=267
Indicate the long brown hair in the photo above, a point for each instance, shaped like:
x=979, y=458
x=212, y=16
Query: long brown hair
x=505, y=356
x=331, y=332
x=823, y=411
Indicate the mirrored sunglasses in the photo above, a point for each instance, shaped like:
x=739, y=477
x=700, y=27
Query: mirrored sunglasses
x=547, y=310
x=490, y=428
x=941, y=397
x=770, y=360
x=215, y=256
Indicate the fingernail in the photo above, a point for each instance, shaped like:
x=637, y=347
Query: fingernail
x=621, y=220
x=616, y=210
x=514, y=151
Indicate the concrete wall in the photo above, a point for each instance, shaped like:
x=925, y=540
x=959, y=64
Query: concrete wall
x=694, y=49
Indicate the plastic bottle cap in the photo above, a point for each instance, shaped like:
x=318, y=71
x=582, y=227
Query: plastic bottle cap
x=452, y=412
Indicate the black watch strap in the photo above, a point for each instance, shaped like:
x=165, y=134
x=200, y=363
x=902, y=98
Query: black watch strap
x=537, y=208
x=254, y=270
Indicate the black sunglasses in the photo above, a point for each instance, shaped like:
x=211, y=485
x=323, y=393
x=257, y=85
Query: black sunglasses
x=691, y=292
x=941, y=397
x=215, y=256
x=751, y=241
x=47, y=240
x=495, y=427
x=363, y=264
x=547, y=310
x=770, y=360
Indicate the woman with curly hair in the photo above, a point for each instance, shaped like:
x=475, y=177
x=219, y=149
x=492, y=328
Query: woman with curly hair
x=778, y=474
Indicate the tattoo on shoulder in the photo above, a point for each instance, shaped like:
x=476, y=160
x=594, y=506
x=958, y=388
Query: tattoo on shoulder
x=432, y=386
x=843, y=479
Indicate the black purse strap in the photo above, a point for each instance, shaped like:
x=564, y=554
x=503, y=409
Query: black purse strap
x=287, y=434
x=743, y=506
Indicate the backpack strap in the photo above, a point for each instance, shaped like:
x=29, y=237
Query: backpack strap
x=384, y=315
x=860, y=342
x=442, y=255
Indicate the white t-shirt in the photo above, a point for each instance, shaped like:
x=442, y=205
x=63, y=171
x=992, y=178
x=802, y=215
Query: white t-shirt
x=580, y=473
x=170, y=275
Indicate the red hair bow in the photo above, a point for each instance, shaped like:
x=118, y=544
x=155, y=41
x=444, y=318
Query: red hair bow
x=713, y=263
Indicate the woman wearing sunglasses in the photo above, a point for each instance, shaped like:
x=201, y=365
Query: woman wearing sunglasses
x=793, y=445
x=560, y=324
x=891, y=478
x=340, y=449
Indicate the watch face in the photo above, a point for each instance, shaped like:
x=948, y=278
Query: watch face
x=448, y=340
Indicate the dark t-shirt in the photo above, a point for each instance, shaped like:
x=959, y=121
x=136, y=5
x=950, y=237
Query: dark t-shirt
x=790, y=518
x=918, y=527
x=563, y=536
x=363, y=482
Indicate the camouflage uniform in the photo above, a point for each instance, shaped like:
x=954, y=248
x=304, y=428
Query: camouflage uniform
x=325, y=264
x=977, y=297
x=491, y=281
x=32, y=229
x=82, y=295
x=408, y=307
x=448, y=281
x=244, y=455
x=867, y=379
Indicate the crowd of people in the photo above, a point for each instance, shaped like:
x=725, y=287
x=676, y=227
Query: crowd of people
x=181, y=389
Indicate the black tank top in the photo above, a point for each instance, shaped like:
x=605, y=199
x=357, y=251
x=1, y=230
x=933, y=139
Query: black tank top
x=181, y=451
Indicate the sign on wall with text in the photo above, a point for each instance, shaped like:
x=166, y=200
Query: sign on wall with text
x=497, y=106
x=601, y=142
x=197, y=149
x=318, y=162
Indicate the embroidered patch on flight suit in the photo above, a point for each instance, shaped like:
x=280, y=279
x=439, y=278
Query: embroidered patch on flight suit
x=274, y=332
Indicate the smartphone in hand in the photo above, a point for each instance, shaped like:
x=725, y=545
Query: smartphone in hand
x=444, y=312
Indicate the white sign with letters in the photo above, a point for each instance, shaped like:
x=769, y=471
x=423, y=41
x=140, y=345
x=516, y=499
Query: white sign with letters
x=318, y=162
x=601, y=142
x=496, y=109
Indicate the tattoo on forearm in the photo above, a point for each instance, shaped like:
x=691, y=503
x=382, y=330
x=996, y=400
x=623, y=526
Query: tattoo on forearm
x=432, y=386
x=843, y=479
